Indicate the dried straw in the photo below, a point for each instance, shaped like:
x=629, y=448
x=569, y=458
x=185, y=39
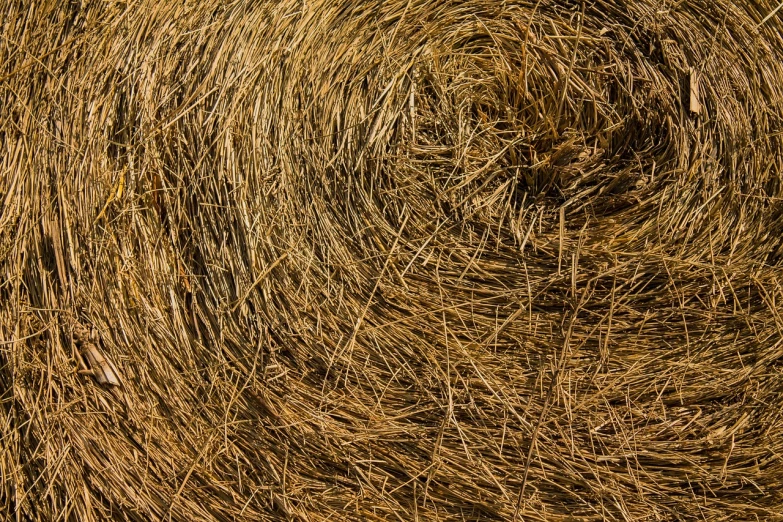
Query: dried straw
x=400, y=260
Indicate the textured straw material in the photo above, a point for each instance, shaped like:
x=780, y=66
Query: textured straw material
x=391, y=260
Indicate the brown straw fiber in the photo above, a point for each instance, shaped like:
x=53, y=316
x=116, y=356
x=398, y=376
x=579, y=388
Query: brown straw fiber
x=393, y=260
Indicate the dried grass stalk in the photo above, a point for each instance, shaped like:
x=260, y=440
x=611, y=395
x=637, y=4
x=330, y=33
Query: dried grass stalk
x=100, y=366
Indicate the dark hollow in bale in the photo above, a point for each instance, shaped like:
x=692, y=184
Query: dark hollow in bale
x=403, y=260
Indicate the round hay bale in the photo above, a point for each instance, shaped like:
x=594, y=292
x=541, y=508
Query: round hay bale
x=404, y=260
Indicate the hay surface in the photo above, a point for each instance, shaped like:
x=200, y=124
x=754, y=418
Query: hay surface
x=403, y=260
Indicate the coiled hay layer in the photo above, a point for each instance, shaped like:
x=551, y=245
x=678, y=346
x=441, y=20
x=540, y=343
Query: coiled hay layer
x=401, y=260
